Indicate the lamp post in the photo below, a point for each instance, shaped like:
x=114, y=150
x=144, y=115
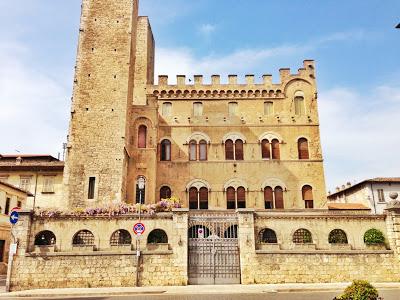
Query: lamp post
x=140, y=184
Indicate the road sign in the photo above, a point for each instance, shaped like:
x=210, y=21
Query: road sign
x=200, y=233
x=14, y=216
x=139, y=228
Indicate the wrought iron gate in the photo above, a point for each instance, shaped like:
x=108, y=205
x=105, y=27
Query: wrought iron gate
x=213, y=249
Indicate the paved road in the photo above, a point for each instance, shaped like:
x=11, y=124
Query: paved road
x=387, y=294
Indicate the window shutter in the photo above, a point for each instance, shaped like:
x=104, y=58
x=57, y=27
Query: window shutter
x=192, y=150
x=142, y=133
x=241, y=197
x=268, y=198
x=197, y=109
x=165, y=150
x=303, y=149
x=265, y=149
x=307, y=192
x=279, y=198
x=276, y=153
x=299, y=106
x=239, y=150
x=203, y=150
x=268, y=108
x=229, y=150
x=193, y=203
x=230, y=198
x=203, y=196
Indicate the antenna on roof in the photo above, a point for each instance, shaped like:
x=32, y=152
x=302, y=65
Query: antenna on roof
x=64, y=148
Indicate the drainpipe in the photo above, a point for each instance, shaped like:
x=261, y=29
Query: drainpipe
x=373, y=197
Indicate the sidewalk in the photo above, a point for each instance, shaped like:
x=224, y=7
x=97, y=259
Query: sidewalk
x=192, y=289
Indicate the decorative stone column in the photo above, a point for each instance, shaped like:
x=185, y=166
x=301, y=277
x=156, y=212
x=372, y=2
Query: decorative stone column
x=393, y=223
x=20, y=232
x=180, y=243
x=246, y=245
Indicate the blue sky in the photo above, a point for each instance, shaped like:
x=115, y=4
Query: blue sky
x=353, y=42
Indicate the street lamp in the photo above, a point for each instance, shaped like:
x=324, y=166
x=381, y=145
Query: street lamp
x=141, y=181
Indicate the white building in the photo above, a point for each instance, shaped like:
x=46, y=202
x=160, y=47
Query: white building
x=374, y=193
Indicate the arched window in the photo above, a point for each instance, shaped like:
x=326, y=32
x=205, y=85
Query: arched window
x=45, y=238
x=203, y=198
x=307, y=196
x=302, y=236
x=142, y=136
x=166, y=109
x=165, y=150
x=230, y=198
x=265, y=149
x=268, y=198
x=302, y=146
x=275, y=149
x=83, y=238
x=193, y=198
x=231, y=232
x=239, y=150
x=299, y=104
x=241, y=197
x=203, y=150
x=165, y=192
x=235, y=198
x=197, y=109
x=229, y=151
x=268, y=108
x=267, y=236
x=278, y=193
x=192, y=150
x=120, y=237
x=157, y=236
x=141, y=193
x=337, y=236
x=198, y=199
x=198, y=231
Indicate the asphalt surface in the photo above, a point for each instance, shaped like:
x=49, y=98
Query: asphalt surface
x=386, y=294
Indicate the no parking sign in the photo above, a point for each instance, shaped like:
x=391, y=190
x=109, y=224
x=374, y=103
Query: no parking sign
x=139, y=228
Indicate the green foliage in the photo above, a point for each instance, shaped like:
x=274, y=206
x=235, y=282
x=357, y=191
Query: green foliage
x=359, y=290
x=374, y=236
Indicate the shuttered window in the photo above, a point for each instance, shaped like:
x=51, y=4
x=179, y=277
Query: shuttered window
x=203, y=197
x=203, y=150
x=241, y=197
x=165, y=192
x=299, y=106
x=197, y=109
x=165, y=150
x=239, y=150
x=268, y=108
x=233, y=108
x=308, y=196
x=142, y=134
x=192, y=150
x=279, y=198
x=193, y=198
x=229, y=153
x=303, y=148
x=265, y=149
x=166, y=109
x=48, y=184
x=230, y=198
x=268, y=198
x=276, y=154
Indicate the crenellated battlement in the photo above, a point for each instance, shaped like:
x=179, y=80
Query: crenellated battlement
x=196, y=88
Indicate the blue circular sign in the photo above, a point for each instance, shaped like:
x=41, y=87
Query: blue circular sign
x=14, y=216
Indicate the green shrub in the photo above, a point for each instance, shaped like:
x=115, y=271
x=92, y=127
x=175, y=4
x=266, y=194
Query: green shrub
x=374, y=236
x=359, y=290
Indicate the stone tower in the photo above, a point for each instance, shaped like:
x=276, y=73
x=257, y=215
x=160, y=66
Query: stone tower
x=97, y=158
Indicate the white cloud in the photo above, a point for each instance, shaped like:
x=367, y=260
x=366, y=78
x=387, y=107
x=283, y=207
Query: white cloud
x=33, y=114
x=207, y=29
x=360, y=133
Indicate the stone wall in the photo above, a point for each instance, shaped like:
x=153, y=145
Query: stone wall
x=102, y=265
x=319, y=261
